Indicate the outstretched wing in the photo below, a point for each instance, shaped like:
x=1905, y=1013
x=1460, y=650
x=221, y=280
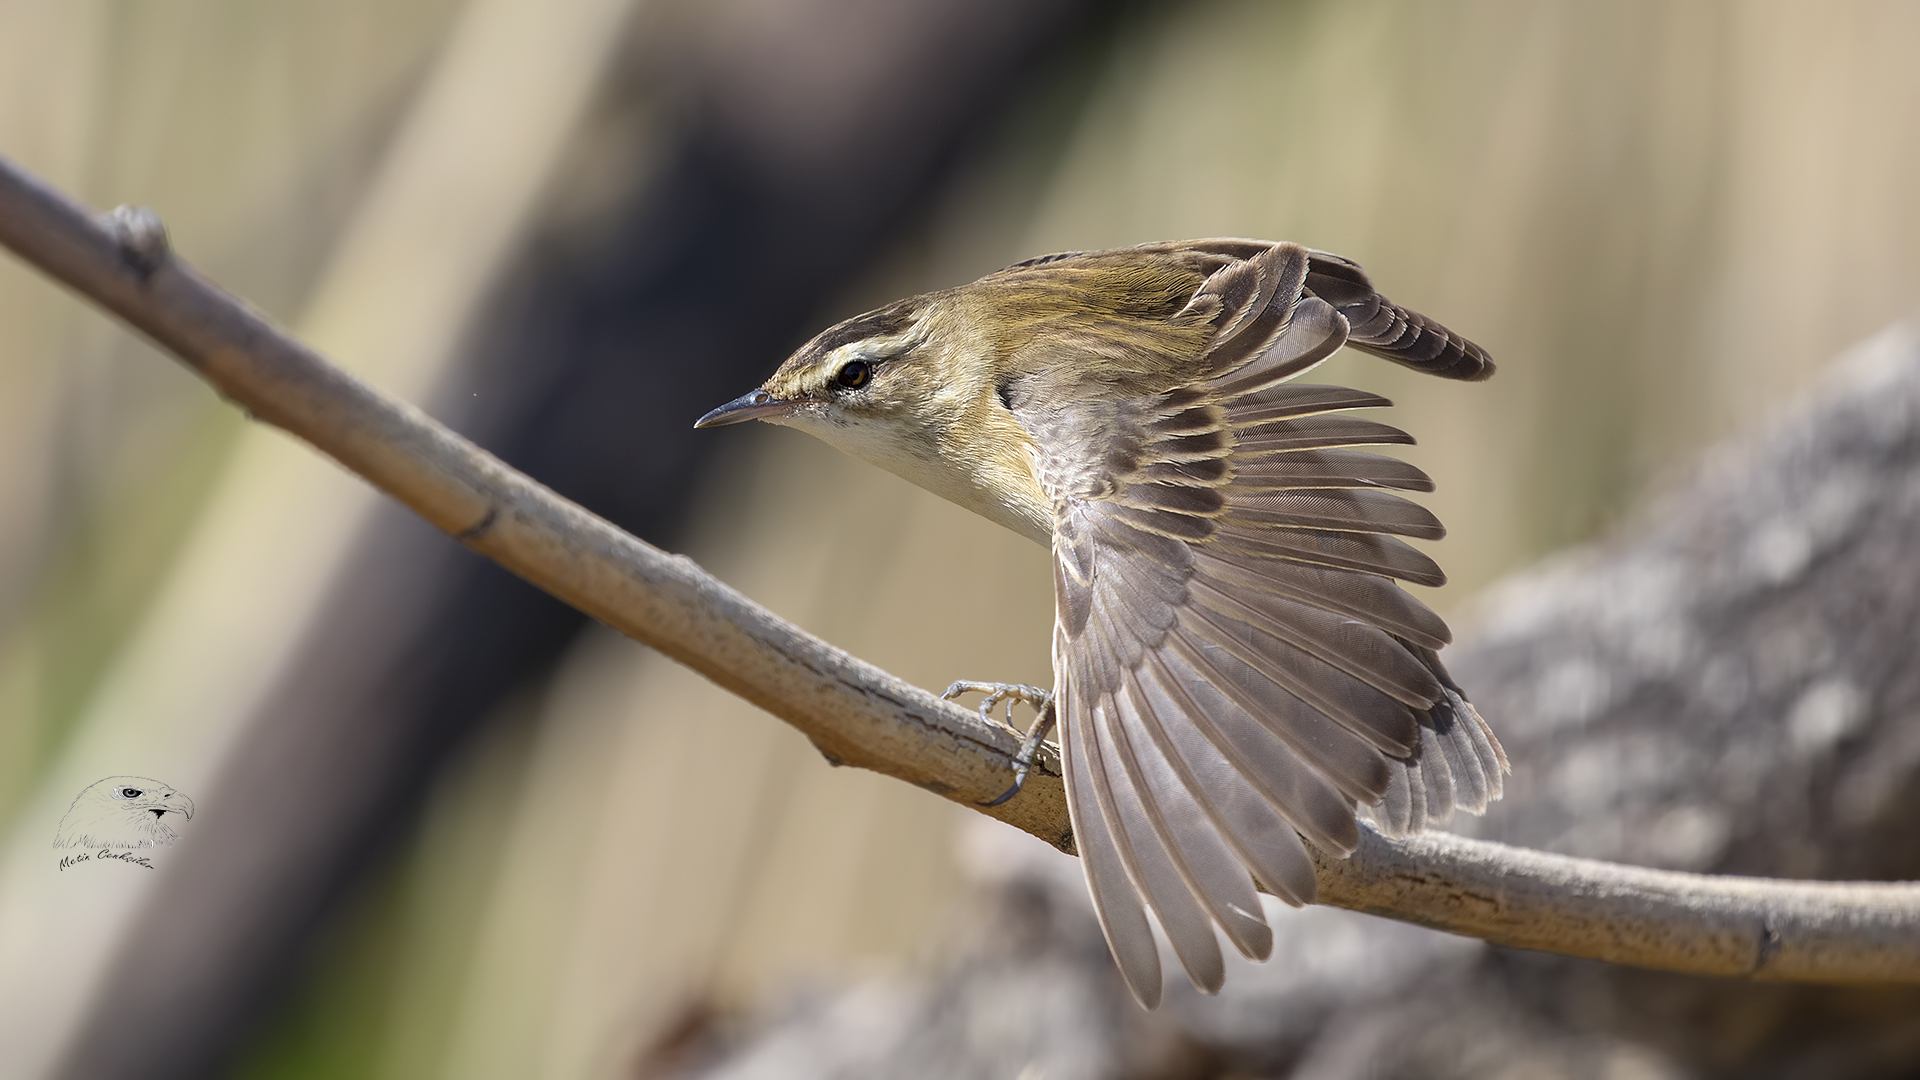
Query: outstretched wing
x=1375, y=324
x=1235, y=666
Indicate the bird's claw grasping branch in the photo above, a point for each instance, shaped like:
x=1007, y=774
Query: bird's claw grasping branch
x=996, y=692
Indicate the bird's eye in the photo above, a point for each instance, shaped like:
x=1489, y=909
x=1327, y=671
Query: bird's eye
x=130, y=792
x=855, y=375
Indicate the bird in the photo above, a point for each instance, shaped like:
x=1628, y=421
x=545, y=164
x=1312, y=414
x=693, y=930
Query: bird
x=123, y=812
x=1237, y=671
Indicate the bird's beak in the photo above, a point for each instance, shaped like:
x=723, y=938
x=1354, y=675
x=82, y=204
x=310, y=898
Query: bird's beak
x=751, y=406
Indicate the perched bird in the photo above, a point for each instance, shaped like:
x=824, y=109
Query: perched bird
x=123, y=812
x=1235, y=668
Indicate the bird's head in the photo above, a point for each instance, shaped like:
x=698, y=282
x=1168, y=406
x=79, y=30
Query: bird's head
x=884, y=367
x=124, y=811
x=140, y=796
x=929, y=362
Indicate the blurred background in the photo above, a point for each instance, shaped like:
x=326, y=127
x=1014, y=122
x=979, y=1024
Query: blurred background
x=448, y=827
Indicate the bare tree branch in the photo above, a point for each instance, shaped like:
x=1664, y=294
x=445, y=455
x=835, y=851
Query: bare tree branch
x=857, y=714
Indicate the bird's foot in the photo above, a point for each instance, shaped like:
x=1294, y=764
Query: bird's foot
x=996, y=692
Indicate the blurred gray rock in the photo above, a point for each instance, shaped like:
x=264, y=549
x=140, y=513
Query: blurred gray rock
x=1730, y=684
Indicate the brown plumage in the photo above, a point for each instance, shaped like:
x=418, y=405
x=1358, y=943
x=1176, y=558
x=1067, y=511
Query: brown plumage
x=1235, y=668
